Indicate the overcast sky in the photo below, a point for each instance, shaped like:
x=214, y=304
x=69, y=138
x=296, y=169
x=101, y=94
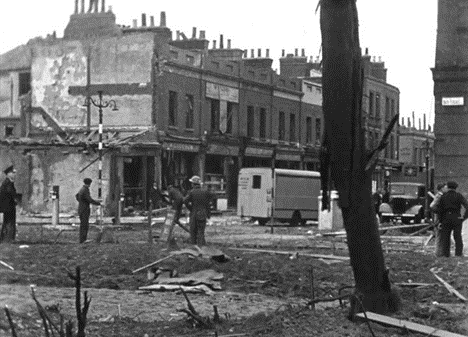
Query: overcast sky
x=402, y=32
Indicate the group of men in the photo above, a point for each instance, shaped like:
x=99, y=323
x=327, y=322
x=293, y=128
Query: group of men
x=198, y=201
x=447, y=206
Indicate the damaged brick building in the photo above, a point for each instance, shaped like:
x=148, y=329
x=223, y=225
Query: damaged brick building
x=183, y=109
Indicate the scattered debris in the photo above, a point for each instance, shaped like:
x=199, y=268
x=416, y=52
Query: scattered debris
x=208, y=277
x=451, y=289
x=23, y=246
x=380, y=229
x=424, y=329
x=199, y=289
x=318, y=256
x=415, y=284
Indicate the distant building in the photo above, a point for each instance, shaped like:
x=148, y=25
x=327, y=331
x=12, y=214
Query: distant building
x=183, y=109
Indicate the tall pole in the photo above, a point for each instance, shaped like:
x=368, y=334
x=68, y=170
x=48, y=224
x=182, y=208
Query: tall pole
x=100, y=162
x=427, y=215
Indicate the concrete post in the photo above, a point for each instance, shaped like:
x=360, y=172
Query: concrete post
x=55, y=205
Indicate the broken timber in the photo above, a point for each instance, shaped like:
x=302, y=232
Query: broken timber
x=152, y=264
x=424, y=329
x=6, y=265
x=380, y=229
x=318, y=256
x=451, y=289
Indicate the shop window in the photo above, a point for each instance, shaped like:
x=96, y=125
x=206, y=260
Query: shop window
x=250, y=121
x=9, y=130
x=257, y=182
x=172, y=108
x=189, y=111
x=262, y=123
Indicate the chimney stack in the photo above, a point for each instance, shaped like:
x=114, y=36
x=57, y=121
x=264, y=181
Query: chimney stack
x=214, y=44
x=268, y=53
x=283, y=53
x=143, y=19
x=259, y=52
x=76, y=6
x=303, y=52
x=409, y=123
x=229, y=44
x=177, y=35
x=296, y=52
x=96, y=8
x=82, y=6
x=246, y=53
x=414, y=121
x=163, y=19
x=403, y=121
x=135, y=23
x=202, y=34
x=419, y=123
x=221, y=41
x=103, y=6
x=194, y=32
x=152, y=21
x=367, y=51
x=252, y=53
x=424, y=116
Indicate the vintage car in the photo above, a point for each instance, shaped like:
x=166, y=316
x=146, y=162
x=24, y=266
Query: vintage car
x=407, y=203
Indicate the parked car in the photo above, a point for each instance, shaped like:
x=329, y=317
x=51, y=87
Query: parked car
x=406, y=203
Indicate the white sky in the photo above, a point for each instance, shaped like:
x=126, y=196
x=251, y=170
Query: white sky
x=402, y=32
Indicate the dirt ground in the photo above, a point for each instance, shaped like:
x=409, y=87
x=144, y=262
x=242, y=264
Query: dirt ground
x=263, y=294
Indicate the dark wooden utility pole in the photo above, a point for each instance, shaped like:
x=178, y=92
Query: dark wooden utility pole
x=346, y=165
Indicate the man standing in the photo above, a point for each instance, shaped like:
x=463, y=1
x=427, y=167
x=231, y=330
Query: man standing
x=84, y=211
x=449, y=212
x=8, y=200
x=198, y=201
x=435, y=207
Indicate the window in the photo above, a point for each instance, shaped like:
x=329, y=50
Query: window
x=214, y=110
x=309, y=130
x=377, y=106
x=190, y=59
x=174, y=54
x=232, y=109
x=262, y=123
x=387, y=109
x=292, y=127
x=172, y=108
x=230, y=67
x=24, y=83
x=319, y=90
x=257, y=182
x=309, y=87
x=9, y=130
x=189, y=112
x=293, y=84
x=318, y=129
x=393, y=154
x=392, y=108
x=215, y=64
x=371, y=103
x=250, y=121
x=281, y=126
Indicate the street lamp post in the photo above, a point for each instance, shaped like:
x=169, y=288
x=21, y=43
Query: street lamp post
x=100, y=104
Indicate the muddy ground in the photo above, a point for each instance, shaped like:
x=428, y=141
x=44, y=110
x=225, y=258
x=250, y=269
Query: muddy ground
x=263, y=294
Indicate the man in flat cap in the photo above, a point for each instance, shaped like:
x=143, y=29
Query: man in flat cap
x=449, y=211
x=84, y=200
x=8, y=200
x=198, y=201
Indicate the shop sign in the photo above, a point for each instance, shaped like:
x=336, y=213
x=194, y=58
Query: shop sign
x=453, y=101
x=222, y=92
x=253, y=151
x=288, y=157
x=223, y=150
x=181, y=147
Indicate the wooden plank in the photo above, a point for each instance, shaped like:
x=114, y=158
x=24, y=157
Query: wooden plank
x=318, y=256
x=380, y=229
x=152, y=264
x=6, y=265
x=451, y=289
x=415, y=284
x=428, y=240
x=424, y=329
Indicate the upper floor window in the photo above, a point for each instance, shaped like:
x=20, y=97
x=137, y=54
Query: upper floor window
x=371, y=103
x=318, y=129
x=392, y=108
x=9, y=130
x=250, y=121
x=308, y=130
x=387, y=109
x=377, y=106
x=24, y=83
x=232, y=109
x=263, y=123
x=292, y=127
x=172, y=108
x=214, y=111
x=189, y=111
x=281, y=126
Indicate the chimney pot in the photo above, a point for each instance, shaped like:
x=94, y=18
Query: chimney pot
x=143, y=19
x=178, y=35
x=163, y=20
x=110, y=9
x=380, y=58
x=409, y=122
x=268, y=53
x=152, y=20
x=282, y=53
x=135, y=23
x=202, y=34
x=229, y=43
x=96, y=8
x=403, y=121
x=76, y=6
x=252, y=53
x=367, y=51
x=296, y=52
x=221, y=41
x=82, y=6
x=259, y=52
x=194, y=32
x=424, y=116
x=303, y=52
x=214, y=44
x=419, y=123
x=103, y=6
x=246, y=53
x=373, y=58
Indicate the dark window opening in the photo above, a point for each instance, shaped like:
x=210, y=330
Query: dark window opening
x=189, y=112
x=24, y=83
x=172, y=108
x=371, y=103
x=309, y=130
x=377, y=106
x=9, y=130
x=262, y=123
x=318, y=129
x=387, y=109
x=292, y=127
x=214, y=110
x=281, y=126
x=250, y=121
x=257, y=182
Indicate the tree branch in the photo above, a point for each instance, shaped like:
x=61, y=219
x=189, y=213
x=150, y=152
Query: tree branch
x=10, y=321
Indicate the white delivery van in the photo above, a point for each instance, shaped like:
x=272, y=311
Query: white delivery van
x=292, y=195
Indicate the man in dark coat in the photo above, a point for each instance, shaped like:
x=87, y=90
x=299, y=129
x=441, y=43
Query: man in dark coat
x=8, y=201
x=84, y=199
x=449, y=212
x=198, y=201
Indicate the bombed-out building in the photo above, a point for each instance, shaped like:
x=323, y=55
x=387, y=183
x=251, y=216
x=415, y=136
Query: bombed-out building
x=184, y=108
